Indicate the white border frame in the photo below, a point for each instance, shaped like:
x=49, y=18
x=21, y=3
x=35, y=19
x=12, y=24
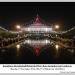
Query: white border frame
x=37, y=0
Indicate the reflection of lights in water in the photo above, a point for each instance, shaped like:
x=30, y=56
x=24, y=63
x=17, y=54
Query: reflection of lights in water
x=57, y=52
x=3, y=50
x=37, y=50
x=71, y=50
x=18, y=46
x=57, y=47
x=37, y=42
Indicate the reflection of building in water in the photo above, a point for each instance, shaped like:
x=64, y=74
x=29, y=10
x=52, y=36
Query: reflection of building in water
x=38, y=30
x=38, y=44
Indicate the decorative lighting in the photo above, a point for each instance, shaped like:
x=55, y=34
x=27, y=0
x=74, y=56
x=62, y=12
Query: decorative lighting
x=46, y=29
x=56, y=26
x=18, y=26
x=28, y=29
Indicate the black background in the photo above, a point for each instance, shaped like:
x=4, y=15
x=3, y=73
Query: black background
x=52, y=12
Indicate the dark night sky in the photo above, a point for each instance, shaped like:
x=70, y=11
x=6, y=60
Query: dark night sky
x=20, y=13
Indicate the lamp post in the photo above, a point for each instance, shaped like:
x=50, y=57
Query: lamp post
x=18, y=27
x=57, y=27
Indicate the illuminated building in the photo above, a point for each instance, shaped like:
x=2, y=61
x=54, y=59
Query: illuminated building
x=37, y=27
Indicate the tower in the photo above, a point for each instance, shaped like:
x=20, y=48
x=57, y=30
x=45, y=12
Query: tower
x=37, y=19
